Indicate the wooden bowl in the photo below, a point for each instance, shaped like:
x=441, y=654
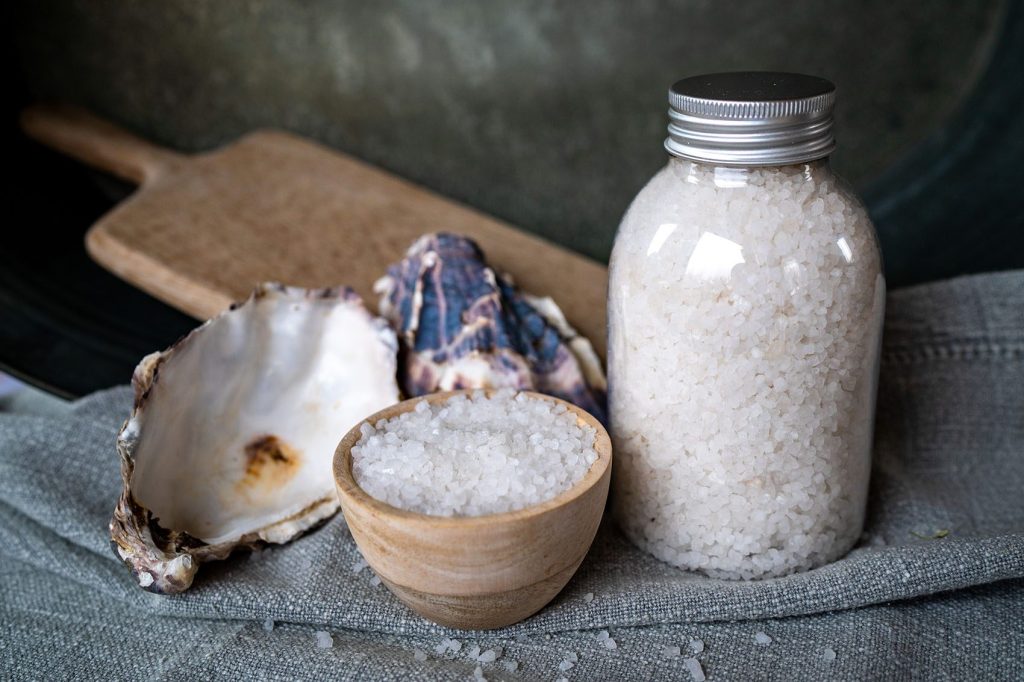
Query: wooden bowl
x=476, y=572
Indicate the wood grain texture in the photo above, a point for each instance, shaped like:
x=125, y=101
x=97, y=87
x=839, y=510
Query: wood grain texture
x=202, y=230
x=478, y=572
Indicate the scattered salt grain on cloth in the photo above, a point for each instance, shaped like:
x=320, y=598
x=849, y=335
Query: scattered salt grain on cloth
x=359, y=565
x=324, y=639
x=447, y=645
x=588, y=597
x=670, y=652
x=268, y=625
x=488, y=656
x=565, y=665
x=375, y=580
x=828, y=654
x=606, y=640
x=697, y=645
x=511, y=666
x=419, y=654
x=762, y=639
x=478, y=674
x=693, y=667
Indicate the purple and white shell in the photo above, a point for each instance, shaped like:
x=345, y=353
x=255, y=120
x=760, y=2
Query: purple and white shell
x=460, y=324
x=233, y=431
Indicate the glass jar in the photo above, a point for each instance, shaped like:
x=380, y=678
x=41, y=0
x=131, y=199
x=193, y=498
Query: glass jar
x=745, y=311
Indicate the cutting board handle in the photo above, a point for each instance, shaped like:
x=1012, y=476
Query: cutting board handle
x=97, y=142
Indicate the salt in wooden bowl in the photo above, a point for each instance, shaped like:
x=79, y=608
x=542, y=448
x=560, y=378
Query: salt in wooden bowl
x=476, y=572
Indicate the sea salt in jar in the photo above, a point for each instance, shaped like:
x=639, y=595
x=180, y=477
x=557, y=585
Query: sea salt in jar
x=744, y=321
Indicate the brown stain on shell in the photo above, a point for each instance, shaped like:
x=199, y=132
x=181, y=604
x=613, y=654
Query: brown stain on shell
x=269, y=463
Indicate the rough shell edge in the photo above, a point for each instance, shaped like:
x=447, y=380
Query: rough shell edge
x=163, y=560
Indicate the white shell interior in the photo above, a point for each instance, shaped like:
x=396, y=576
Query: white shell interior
x=290, y=372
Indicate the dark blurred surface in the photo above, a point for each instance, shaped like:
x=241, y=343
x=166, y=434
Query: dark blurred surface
x=954, y=204
x=549, y=116
x=66, y=324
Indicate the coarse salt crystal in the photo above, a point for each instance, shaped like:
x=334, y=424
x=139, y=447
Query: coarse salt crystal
x=828, y=654
x=602, y=635
x=671, y=652
x=511, y=666
x=488, y=656
x=523, y=451
x=610, y=644
x=565, y=665
x=694, y=668
x=588, y=597
x=419, y=655
x=697, y=645
x=324, y=640
x=268, y=625
x=478, y=674
x=762, y=638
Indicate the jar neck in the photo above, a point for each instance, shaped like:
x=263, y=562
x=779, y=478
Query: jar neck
x=736, y=176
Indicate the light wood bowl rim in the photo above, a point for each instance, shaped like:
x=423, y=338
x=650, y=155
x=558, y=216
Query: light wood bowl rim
x=352, y=494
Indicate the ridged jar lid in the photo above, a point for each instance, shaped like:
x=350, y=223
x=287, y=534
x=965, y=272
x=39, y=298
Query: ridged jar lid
x=751, y=118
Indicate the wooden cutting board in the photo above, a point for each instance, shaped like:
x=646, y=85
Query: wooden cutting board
x=202, y=229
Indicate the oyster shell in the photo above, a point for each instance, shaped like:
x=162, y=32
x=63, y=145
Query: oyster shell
x=463, y=325
x=234, y=427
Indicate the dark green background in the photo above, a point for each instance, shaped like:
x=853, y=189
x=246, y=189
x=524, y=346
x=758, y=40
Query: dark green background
x=550, y=115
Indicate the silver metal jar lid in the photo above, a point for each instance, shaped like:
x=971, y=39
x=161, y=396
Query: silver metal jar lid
x=751, y=118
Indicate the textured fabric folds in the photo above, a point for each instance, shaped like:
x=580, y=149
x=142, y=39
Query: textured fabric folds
x=935, y=589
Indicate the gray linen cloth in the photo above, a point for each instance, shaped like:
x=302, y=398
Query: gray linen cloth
x=913, y=601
